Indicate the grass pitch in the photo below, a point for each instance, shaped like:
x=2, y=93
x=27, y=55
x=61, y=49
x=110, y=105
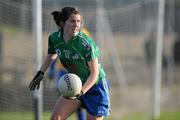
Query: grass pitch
x=46, y=116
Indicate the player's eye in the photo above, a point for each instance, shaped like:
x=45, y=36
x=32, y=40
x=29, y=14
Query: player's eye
x=75, y=21
x=72, y=21
x=78, y=21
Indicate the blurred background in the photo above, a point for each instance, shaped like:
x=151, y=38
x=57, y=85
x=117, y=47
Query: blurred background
x=127, y=33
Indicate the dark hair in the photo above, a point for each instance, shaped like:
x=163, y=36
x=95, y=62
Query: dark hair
x=64, y=14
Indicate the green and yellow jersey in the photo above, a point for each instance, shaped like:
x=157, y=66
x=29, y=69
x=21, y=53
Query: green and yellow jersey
x=75, y=53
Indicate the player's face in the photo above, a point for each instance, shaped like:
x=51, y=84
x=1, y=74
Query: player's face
x=72, y=25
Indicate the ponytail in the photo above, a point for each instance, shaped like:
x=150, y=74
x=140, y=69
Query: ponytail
x=56, y=16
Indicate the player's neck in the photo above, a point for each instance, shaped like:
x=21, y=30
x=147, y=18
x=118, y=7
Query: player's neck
x=67, y=37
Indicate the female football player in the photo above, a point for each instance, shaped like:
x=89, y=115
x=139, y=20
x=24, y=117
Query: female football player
x=79, y=55
x=61, y=71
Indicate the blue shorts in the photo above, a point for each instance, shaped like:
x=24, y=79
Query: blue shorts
x=96, y=101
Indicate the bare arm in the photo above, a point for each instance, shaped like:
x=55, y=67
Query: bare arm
x=94, y=71
x=35, y=83
x=49, y=58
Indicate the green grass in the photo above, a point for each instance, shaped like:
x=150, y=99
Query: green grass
x=16, y=115
x=25, y=116
x=30, y=116
x=46, y=116
x=135, y=116
x=170, y=115
x=141, y=116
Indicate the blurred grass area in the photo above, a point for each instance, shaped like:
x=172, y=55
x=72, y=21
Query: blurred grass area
x=166, y=115
x=26, y=116
x=170, y=115
x=30, y=116
x=46, y=116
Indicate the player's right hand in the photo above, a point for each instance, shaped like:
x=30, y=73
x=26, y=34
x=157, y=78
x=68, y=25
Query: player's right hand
x=35, y=83
x=76, y=96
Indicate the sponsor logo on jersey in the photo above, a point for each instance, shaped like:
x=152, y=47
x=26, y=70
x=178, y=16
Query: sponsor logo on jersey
x=67, y=54
x=75, y=56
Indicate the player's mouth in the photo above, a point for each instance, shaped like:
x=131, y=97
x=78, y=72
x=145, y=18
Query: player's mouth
x=74, y=30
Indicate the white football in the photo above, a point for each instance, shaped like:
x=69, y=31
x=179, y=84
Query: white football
x=69, y=85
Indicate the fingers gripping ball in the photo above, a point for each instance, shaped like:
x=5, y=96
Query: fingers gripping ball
x=70, y=85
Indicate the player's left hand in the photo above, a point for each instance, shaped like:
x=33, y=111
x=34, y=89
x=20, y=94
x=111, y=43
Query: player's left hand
x=76, y=96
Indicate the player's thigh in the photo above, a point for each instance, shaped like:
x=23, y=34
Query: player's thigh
x=64, y=108
x=91, y=117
